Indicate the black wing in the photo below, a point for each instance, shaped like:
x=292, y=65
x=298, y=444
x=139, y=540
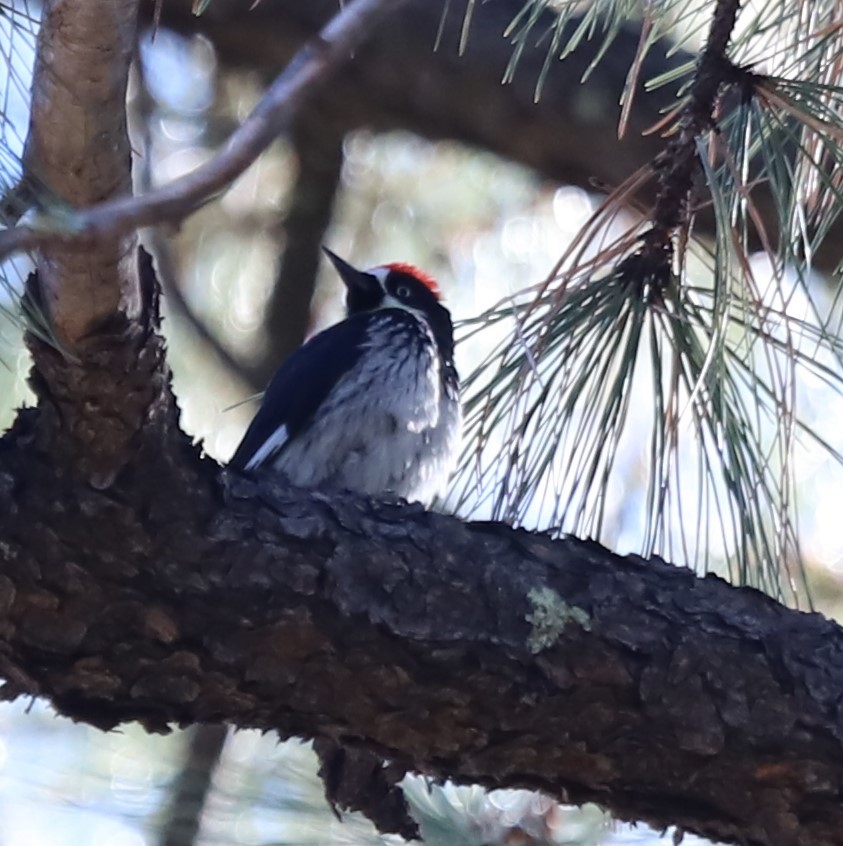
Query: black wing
x=300, y=386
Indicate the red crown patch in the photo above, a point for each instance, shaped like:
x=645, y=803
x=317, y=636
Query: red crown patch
x=428, y=281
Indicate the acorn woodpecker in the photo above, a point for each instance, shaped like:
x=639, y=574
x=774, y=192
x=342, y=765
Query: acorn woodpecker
x=370, y=404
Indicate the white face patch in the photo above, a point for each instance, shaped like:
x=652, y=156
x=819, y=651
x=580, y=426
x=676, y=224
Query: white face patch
x=393, y=302
x=380, y=273
x=389, y=301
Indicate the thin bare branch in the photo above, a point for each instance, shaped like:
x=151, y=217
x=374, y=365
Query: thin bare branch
x=312, y=65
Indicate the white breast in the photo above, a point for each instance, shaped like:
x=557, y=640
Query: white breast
x=387, y=426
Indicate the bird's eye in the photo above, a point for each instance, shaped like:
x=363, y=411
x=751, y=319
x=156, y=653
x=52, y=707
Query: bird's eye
x=402, y=291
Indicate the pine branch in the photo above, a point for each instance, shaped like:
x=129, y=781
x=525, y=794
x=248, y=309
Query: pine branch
x=476, y=652
x=468, y=651
x=677, y=166
x=557, y=137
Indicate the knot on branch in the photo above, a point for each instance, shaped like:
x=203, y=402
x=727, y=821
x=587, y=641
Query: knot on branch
x=358, y=780
x=98, y=405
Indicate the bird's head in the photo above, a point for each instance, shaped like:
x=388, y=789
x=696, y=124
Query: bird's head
x=393, y=285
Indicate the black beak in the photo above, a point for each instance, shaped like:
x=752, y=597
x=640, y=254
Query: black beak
x=364, y=290
x=353, y=278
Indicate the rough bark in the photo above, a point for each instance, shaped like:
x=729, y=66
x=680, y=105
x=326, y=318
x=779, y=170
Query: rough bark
x=182, y=594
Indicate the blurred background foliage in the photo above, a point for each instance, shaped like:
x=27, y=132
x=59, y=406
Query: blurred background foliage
x=236, y=301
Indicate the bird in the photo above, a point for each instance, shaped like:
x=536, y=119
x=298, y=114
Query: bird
x=370, y=404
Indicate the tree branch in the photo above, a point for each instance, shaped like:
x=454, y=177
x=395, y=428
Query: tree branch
x=474, y=652
x=312, y=66
x=77, y=154
x=400, y=82
x=678, y=164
